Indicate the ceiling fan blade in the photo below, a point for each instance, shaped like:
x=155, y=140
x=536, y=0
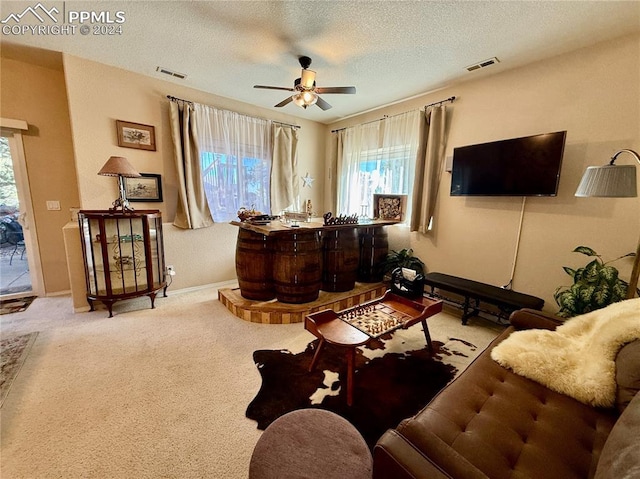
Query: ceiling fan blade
x=273, y=87
x=323, y=104
x=336, y=89
x=308, y=78
x=284, y=102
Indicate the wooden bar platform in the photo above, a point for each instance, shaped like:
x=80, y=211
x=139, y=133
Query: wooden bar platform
x=275, y=312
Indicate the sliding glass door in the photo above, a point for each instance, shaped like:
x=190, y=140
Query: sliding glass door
x=19, y=258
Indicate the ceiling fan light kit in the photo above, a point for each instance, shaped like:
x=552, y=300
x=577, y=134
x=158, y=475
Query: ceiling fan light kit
x=305, y=90
x=305, y=98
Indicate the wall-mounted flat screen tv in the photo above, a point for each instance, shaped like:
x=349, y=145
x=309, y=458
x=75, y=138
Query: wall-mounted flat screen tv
x=528, y=166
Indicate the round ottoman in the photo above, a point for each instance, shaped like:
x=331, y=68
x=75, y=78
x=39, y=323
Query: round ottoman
x=311, y=443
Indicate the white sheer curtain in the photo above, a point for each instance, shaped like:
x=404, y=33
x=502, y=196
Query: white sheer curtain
x=236, y=160
x=377, y=157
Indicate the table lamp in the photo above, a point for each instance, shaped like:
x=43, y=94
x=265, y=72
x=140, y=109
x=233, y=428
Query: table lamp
x=614, y=181
x=120, y=167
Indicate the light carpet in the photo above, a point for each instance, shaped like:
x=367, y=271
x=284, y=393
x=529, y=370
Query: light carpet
x=154, y=393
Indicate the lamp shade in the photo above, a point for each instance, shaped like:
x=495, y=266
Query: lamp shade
x=118, y=166
x=611, y=181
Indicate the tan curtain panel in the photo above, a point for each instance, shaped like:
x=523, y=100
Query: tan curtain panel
x=429, y=165
x=336, y=152
x=192, y=211
x=285, y=184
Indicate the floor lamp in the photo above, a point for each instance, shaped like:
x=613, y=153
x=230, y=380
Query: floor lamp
x=614, y=181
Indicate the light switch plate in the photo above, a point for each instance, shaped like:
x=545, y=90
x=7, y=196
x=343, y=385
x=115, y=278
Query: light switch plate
x=53, y=205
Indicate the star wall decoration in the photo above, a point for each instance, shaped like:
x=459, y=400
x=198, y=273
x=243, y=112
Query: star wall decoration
x=307, y=180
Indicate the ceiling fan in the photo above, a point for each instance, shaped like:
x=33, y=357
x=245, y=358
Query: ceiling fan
x=306, y=91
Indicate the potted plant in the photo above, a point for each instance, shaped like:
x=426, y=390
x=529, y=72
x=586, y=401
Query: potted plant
x=403, y=259
x=411, y=287
x=595, y=285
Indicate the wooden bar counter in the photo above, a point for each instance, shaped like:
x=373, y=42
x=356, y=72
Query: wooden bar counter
x=293, y=263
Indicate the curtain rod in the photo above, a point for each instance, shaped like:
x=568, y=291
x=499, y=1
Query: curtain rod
x=173, y=98
x=384, y=117
x=387, y=116
x=451, y=98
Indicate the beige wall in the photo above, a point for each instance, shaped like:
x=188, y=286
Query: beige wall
x=594, y=94
x=100, y=94
x=37, y=94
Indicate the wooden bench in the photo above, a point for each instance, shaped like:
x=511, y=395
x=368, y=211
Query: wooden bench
x=505, y=300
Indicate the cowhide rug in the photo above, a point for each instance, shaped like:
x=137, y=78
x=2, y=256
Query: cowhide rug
x=387, y=389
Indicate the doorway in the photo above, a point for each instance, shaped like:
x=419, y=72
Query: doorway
x=19, y=259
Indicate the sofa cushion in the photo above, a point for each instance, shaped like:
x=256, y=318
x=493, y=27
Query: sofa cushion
x=620, y=458
x=508, y=426
x=627, y=374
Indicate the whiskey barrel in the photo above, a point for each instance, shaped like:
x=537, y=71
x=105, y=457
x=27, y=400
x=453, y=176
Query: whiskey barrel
x=340, y=256
x=374, y=247
x=297, y=266
x=254, y=265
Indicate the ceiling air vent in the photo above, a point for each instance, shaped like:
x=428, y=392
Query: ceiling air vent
x=166, y=71
x=482, y=64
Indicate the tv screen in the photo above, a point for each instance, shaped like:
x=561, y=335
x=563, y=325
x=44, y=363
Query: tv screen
x=528, y=166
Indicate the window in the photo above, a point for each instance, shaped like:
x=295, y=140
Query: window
x=385, y=170
x=378, y=157
x=229, y=187
x=235, y=161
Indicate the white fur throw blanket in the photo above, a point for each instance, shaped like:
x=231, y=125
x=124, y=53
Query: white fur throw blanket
x=578, y=358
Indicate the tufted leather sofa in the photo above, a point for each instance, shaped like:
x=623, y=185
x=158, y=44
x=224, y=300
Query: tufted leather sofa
x=492, y=423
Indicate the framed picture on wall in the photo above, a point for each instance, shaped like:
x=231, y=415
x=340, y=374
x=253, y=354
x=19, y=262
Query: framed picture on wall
x=389, y=207
x=136, y=135
x=146, y=187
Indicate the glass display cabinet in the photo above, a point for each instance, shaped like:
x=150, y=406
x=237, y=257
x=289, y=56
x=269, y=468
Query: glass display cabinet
x=123, y=255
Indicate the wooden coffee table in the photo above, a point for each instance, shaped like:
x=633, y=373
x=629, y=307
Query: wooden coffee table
x=356, y=326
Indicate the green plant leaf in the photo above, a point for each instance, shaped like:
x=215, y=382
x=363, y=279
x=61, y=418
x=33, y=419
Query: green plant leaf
x=560, y=297
x=619, y=290
x=595, y=285
x=592, y=272
x=567, y=302
x=602, y=296
x=587, y=293
x=557, y=293
x=609, y=273
x=620, y=257
x=585, y=250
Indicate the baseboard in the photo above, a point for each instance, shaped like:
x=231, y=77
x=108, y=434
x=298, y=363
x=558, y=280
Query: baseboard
x=221, y=284
x=66, y=292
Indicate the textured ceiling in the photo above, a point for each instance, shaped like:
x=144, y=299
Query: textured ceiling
x=388, y=50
